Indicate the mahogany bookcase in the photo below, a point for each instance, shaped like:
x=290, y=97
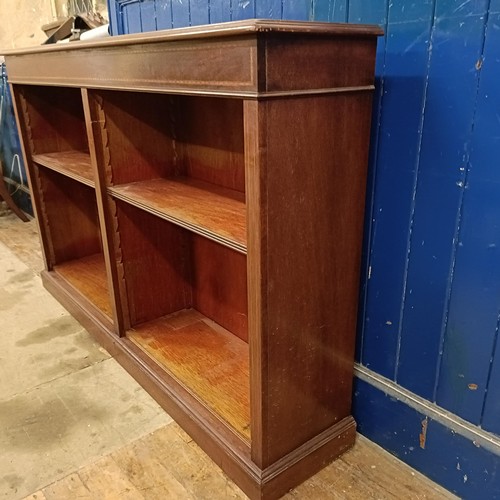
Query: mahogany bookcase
x=200, y=199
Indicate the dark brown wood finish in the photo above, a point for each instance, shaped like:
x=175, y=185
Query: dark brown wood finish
x=74, y=164
x=311, y=246
x=95, y=121
x=156, y=263
x=69, y=216
x=231, y=227
x=54, y=117
x=88, y=276
x=292, y=62
x=22, y=121
x=210, y=140
x=214, y=212
x=207, y=359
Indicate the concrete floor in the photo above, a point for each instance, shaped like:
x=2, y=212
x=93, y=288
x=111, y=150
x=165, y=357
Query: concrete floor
x=74, y=424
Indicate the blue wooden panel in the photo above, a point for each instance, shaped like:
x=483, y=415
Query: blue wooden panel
x=148, y=15
x=180, y=13
x=131, y=13
x=404, y=80
x=113, y=14
x=453, y=461
x=372, y=12
x=268, y=9
x=220, y=11
x=449, y=110
x=475, y=298
x=330, y=10
x=163, y=14
x=199, y=12
x=243, y=9
x=297, y=10
x=10, y=147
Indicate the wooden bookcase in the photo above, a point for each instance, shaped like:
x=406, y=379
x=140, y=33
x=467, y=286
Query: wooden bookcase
x=200, y=197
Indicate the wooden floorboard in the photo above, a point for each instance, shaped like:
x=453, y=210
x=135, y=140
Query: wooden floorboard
x=167, y=464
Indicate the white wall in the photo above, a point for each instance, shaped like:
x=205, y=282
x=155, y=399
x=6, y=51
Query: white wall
x=21, y=20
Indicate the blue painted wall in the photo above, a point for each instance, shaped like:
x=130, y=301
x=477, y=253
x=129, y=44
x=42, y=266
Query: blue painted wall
x=430, y=301
x=10, y=148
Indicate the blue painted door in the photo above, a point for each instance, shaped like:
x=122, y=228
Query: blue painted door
x=430, y=304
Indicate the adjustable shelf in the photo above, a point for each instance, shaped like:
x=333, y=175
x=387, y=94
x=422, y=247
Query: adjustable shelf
x=206, y=209
x=199, y=194
x=73, y=164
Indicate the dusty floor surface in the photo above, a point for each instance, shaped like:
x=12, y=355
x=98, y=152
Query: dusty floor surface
x=74, y=424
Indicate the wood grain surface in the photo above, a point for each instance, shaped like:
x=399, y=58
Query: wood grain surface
x=207, y=359
x=69, y=214
x=53, y=117
x=88, y=276
x=311, y=230
x=73, y=164
x=211, y=211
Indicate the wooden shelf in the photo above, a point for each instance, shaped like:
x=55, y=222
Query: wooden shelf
x=88, y=276
x=73, y=164
x=205, y=358
x=206, y=209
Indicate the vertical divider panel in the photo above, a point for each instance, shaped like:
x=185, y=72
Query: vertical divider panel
x=100, y=159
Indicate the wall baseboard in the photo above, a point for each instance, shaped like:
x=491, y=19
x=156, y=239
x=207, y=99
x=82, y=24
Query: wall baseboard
x=452, y=452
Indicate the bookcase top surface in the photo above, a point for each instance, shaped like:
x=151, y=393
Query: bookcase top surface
x=233, y=28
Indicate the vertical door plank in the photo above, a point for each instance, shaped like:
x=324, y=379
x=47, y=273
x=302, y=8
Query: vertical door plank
x=220, y=11
x=449, y=109
x=404, y=82
x=132, y=22
x=180, y=13
x=330, y=10
x=163, y=14
x=114, y=13
x=268, y=9
x=148, y=15
x=475, y=295
x=243, y=9
x=199, y=12
x=297, y=10
x=375, y=12
x=404, y=86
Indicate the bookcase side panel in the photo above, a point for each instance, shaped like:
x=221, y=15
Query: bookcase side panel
x=316, y=159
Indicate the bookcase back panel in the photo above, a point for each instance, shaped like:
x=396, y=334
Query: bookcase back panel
x=220, y=285
x=69, y=213
x=211, y=134
x=138, y=135
x=156, y=264
x=151, y=136
x=54, y=119
x=168, y=268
